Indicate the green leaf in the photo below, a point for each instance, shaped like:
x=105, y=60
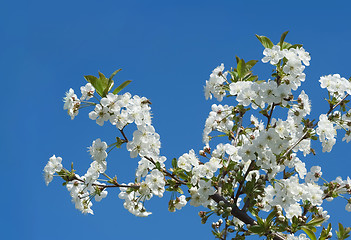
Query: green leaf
x=158, y=165
x=325, y=232
x=237, y=59
x=282, y=39
x=295, y=46
x=114, y=73
x=120, y=87
x=108, y=87
x=241, y=69
x=182, y=175
x=106, y=83
x=180, y=190
x=259, y=220
x=97, y=84
x=309, y=232
x=174, y=163
x=258, y=229
x=251, y=63
x=102, y=85
x=271, y=216
x=286, y=45
x=253, y=79
x=315, y=222
x=343, y=232
x=266, y=42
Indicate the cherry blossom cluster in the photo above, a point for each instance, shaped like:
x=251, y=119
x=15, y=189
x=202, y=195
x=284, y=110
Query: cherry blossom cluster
x=119, y=110
x=54, y=165
x=289, y=194
x=257, y=167
x=327, y=132
x=215, y=84
x=337, y=86
x=219, y=119
x=269, y=92
x=265, y=145
x=338, y=187
x=82, y=189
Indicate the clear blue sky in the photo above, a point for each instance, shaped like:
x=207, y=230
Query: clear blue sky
x=168, y=49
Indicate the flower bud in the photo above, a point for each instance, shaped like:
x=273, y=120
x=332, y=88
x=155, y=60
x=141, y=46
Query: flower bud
x=207, y=149
x=202, y=214
x=278, y=208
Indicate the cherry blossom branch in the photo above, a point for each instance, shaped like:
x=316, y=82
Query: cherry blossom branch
x=115, y=184
x=305, y=134
x=239, y=129
x=332, y=108
x=225, y=229
x=242, y=215
x=270, y=115
x=122, y=132
x=236, y=137
x=166, y=172
x=241, y=184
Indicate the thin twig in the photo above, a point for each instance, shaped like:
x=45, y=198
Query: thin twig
x=166, y=172
x=241, y=184
x=125, y=138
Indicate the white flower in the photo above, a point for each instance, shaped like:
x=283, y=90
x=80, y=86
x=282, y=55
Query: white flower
x=273, y=55
x=99, y=196
x=214, y=84
x=98, y=150
x=205, y=188
x=180, y=202
x=303, y=55
x=71, y=103
x=87, y=91
x=100, y=114
x=348, y=207
x=293, y=210
x=110, y=102
x=53, y=165
x=156, y=182
x=314, y=174
x=326, y=132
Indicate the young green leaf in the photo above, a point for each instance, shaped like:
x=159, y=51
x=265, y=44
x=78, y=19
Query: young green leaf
x=174, y=163
x=295, y=46
x=97, y=84
x=309, y=233
x=114, y=73
x=120, y=87
x=241, y=68
x=251, y=63
x=315, y=222
x=282, y=39
x=237, y=59
x=266, y=42
x=258, y=229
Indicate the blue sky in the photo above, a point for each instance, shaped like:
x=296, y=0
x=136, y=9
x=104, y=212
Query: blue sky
x=168, y=49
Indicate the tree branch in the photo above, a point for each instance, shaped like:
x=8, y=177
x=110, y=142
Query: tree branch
x=242, y=215
x=241, y=184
